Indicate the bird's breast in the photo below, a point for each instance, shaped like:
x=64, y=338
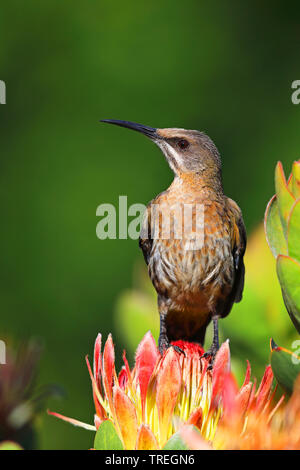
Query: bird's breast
x=193, y=265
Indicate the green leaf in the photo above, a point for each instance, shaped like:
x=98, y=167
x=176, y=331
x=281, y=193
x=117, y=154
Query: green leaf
x=285, y=198
x=285, y=366
x=274, y=230
x=288, y=271
x=10, y=445
x=294, y=232
x=107, y=438
x=175, y=443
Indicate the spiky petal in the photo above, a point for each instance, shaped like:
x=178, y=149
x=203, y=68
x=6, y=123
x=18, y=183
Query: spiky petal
x=146, y=358
x=168, y=387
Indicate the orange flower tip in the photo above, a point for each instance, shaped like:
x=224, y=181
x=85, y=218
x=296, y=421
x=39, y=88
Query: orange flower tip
x=146, y=439
x=126, y=417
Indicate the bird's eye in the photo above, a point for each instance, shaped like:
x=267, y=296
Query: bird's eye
x=183, y=144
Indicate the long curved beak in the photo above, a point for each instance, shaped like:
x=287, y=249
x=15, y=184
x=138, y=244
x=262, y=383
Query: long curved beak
x=150, y=132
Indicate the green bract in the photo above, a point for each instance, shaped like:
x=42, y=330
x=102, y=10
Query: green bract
x=286, y=367
x=107, y=438
x=282, y=227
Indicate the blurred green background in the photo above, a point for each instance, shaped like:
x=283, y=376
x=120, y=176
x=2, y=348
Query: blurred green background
x=222, y=67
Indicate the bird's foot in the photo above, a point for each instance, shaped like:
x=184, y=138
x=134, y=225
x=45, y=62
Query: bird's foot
x=177, y=349
x=164, y=344
x=211, y=354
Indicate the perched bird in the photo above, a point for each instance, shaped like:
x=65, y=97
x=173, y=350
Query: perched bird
x=195, y=263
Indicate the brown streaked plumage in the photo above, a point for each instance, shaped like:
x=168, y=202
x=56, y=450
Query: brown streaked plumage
x=197, y=280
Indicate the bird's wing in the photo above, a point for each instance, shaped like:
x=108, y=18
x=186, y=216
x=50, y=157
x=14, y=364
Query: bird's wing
x=145, y=240
x=239, y=241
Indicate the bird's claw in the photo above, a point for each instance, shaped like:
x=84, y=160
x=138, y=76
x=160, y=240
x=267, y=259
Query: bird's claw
x=177, y=349
x=163, y=346
x=211, y=353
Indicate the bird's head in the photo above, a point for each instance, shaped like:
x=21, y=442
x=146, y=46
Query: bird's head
x=187, y=151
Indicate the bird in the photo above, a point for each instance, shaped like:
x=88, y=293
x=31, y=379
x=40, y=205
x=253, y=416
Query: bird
x=197, y=265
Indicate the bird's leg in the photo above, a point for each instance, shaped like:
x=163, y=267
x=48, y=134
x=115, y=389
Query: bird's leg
x=212, y=351
x=163, y=340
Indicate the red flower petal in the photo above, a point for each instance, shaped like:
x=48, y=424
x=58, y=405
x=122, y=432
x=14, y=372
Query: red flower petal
x=196, y=417
x=123, y=378
x=248, y=374
x=109, y=369
x=96, y=394
x=146, y=358
x=220, y=370
x=229, y=393
x=126, y=417
x=168, y=387
x=242, y=399
x=97, y=360
x=264, y=389
x=252, y=396
x=127, y=368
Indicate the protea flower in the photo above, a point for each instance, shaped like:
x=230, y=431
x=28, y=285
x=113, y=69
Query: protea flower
x=175, y=395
